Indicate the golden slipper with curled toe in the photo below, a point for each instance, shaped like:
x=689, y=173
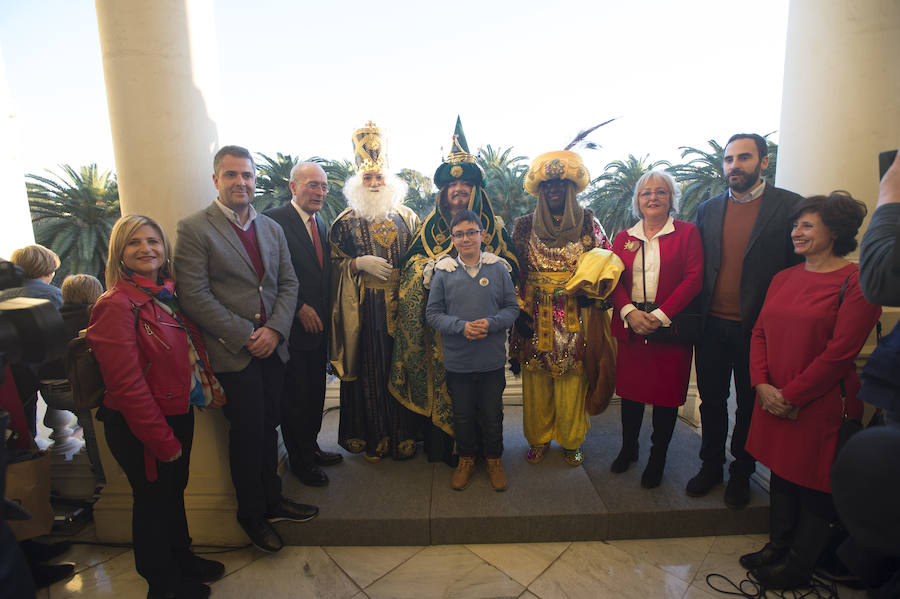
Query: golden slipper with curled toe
x=573, y=457
x=536, y=453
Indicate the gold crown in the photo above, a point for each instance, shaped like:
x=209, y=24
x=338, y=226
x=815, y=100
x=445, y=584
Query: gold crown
x=369, y=149
x=457, y=153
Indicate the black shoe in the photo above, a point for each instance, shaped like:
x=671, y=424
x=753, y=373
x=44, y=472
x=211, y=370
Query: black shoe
x=737, y=491
x=197, y=569
x=811, y=538
x=43, y=552
x=652, y=476
x=311, y=476
x=262, y=534
x=769, y=554
x=706, y=479
x=624, y=459
x=46, y=574
x=327, y=458
x=187, y=589
x=294, y=512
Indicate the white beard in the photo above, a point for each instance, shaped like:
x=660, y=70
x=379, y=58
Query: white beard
x=378, y=204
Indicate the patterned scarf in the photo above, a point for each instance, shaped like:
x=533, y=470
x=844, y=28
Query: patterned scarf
x=204, y=385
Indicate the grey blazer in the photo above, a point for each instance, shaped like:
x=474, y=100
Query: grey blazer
x=218, y=287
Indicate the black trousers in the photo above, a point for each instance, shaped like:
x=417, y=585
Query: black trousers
x=664, y=418
x=302, y=403
x=724, y=349
x=252, y=398
x=478, y=397
x=158, y=523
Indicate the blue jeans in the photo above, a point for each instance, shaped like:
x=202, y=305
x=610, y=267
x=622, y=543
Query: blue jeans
x=478, y=396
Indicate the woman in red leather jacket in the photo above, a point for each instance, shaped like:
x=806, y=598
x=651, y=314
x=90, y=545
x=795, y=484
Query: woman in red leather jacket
x=155, y=368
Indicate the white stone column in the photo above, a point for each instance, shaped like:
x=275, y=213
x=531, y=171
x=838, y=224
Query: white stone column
x=162, y=87
x=15, y=226
x=841, y=96
x=841, y=101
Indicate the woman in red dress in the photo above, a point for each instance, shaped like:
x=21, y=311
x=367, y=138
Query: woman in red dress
x=811, y=327
x=663, y=260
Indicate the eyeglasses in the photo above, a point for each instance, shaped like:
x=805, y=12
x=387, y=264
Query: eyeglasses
x=659, y=193
x=313, y=185
x=470, y=234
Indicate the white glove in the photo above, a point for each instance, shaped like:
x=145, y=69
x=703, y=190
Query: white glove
x=447, y=264
x=489, y=258
x=428, y=274
x=376, y=266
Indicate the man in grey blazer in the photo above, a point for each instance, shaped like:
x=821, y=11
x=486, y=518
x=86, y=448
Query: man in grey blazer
x=746, y=234
x=235, y=280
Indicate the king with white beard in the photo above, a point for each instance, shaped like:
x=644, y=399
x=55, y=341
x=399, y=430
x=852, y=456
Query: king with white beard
x=367, y=244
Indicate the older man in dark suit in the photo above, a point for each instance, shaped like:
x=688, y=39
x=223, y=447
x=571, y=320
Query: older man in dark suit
x=303, y=396
x=235, y=280
x=746, y=234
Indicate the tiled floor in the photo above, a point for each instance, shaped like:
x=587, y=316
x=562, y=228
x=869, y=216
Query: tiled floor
x=642, y=569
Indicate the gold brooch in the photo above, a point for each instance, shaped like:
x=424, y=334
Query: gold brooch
x=483, y=281
x=456, y=171
x=631, y=245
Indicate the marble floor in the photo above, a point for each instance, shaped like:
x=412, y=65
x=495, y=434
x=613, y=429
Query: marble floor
x=641, y=569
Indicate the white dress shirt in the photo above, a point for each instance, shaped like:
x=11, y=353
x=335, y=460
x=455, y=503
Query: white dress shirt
x=650, y=270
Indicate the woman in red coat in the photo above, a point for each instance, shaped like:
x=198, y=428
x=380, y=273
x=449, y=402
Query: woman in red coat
x=155, y=368
x=663, y=260
x=811, y=327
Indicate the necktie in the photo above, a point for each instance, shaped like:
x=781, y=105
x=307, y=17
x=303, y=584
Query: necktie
x=314, y=233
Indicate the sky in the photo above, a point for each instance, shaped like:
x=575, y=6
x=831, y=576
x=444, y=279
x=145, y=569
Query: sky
x=299, y=77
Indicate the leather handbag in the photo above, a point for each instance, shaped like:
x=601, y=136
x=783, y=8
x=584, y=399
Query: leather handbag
x=849, y=426
x=685, y=326
x=83, y=371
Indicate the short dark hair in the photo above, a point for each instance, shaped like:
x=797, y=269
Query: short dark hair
x=842, y=214
x=237, y=151
x=762, y=148
x=465, y=216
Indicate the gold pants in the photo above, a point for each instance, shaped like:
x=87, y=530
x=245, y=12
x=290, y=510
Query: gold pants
x=553, y=408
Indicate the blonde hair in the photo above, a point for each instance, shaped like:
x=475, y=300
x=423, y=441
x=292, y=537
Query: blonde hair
x=669, y=180
x=122, y=231
x=36, y=260
x=81, y=289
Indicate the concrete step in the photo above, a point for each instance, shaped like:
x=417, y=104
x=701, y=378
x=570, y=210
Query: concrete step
x=411, y=502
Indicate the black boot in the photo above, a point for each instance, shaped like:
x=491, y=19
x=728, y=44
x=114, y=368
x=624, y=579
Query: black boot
x=632, y=414
x=663, y=426
x=812, y=536
x=652, y=475
x=784, y=511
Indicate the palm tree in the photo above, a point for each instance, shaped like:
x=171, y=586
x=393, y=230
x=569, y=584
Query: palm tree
x=73, y=215
x=420, y=195
x=273, y=176
x=506, y=183
x=610, y=195
x=702, y=177
x=337, y=171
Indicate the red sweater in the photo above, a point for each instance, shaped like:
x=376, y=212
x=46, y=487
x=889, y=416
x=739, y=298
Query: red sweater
x=805, y=346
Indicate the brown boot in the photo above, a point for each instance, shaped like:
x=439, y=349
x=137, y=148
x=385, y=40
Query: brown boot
x=496, y=474
x=463, y=473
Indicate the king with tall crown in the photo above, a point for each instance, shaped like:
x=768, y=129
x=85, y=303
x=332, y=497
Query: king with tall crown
x=367, y=244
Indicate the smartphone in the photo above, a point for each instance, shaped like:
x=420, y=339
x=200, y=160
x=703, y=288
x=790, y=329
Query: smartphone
x=885, y=160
